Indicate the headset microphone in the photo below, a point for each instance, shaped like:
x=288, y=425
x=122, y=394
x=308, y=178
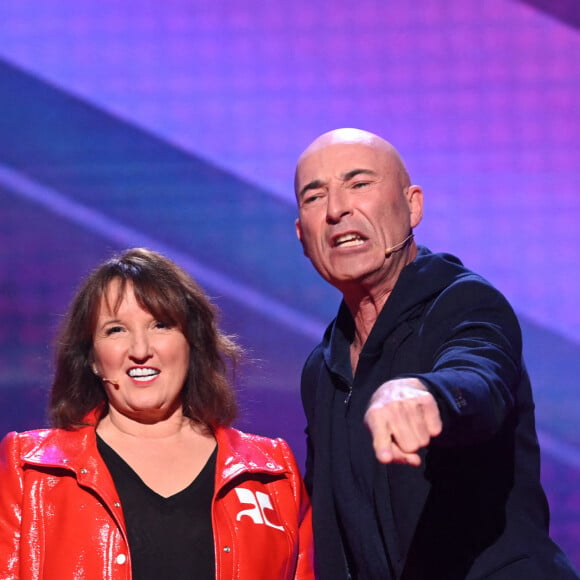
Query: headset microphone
x=397, y=247
x=114, y=383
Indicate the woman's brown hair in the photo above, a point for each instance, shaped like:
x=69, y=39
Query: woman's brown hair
x=171, y=295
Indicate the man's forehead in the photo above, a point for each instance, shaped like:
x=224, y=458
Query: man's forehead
x=341, y=159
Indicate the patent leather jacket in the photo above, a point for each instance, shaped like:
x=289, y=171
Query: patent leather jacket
x=61, y=518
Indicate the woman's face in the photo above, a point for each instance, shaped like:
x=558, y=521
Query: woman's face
x=143, y=362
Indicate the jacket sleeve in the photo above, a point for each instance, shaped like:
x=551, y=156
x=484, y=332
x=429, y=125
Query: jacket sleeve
x=471, y=342
x=305, y=564
x=10, y=508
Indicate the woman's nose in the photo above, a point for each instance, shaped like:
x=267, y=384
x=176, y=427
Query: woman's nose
x=140, y=346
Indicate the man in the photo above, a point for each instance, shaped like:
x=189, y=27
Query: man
x=423, y=460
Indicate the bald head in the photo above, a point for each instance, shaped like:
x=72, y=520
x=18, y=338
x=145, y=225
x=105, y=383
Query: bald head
x=352, y=136
x=356, y=210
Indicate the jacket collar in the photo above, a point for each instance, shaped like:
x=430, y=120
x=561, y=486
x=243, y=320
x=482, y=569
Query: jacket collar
x=240, y=452
x=76, y=450
x=418, y=282
x=64, y=448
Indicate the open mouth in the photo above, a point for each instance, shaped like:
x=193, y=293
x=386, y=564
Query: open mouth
x=143, y=374
x=348, y=240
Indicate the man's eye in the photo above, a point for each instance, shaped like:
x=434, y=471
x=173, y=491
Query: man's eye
x=312, y=197
x=360, y=184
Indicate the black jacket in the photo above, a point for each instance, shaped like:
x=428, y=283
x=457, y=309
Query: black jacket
x=475, y=508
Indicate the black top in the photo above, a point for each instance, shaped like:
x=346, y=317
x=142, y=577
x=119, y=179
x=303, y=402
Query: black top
x=475, y=508
x=168, y=537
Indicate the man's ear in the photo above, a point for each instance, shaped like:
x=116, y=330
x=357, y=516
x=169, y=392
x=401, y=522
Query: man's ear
x=299, y=234
x=415, y=201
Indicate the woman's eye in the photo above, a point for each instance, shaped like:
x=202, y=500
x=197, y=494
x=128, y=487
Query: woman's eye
x=113, y=330
x=162, y=325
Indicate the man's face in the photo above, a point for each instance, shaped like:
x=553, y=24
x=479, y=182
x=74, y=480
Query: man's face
x=352, y=205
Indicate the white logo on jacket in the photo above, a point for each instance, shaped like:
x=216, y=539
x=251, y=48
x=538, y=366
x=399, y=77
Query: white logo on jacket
x=260, y=502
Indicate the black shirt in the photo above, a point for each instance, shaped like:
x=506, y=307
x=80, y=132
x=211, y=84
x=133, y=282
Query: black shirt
x=356, y=475
x=168, y=537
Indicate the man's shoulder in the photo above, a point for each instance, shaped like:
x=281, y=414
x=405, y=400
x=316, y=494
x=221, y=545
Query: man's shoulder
x=441, y=263
x=436, y=271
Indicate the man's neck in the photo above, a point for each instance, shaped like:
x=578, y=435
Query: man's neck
x=366, y=301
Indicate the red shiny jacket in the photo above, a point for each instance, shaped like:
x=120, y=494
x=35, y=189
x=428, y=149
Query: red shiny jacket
x=61, y=518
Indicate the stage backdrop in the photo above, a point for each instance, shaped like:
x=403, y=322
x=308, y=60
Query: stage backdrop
x=176, y=125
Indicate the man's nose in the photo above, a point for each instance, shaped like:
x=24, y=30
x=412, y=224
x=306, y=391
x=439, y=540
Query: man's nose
x=339, y=204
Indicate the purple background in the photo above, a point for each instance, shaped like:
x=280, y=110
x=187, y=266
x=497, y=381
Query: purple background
x=176, y=125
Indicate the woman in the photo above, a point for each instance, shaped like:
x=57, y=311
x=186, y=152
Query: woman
x=142, y=476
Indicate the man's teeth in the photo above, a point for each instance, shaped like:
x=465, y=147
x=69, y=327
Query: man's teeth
x=143, y=374
x=349, y=240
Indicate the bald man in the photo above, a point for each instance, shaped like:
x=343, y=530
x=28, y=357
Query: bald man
x=423, y=459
